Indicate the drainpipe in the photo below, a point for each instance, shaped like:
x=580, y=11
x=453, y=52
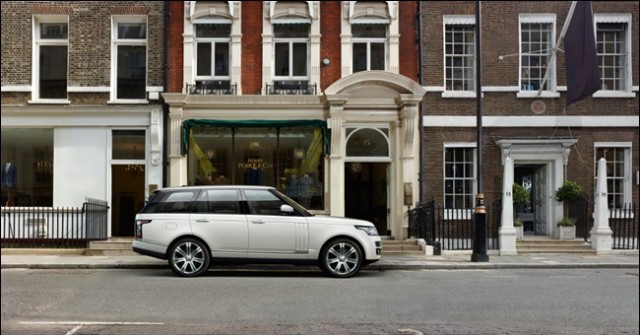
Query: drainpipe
x=165, y=82
x=421, y=109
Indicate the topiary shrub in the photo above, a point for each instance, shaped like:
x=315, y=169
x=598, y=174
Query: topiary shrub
x=570, y=190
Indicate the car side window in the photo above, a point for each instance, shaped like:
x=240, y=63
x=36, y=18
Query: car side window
x=263, y=202
x=171, y=202
x=218, y=202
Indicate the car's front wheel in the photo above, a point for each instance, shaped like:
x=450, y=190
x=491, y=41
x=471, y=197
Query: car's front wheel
x=189, y=258
x=341, y=258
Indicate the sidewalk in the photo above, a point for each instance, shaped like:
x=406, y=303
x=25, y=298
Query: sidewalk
x=628, y=259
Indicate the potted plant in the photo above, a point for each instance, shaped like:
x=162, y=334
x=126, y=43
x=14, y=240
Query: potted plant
x=566, y=229
x=569, y=191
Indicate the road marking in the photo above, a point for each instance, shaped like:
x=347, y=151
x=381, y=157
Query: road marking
x=88, y=323
x=74, y=330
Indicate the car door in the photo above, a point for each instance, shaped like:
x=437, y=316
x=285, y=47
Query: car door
x=218, y=219
x=273, y=234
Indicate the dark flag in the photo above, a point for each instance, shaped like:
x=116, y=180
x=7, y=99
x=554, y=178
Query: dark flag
x=581, y=55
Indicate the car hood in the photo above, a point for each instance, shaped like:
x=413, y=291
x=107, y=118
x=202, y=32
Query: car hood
x=337, y=220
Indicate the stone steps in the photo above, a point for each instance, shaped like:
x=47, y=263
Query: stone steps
x=550, y=246
x=401, y=247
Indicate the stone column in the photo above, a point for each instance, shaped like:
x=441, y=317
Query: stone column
x=336, y=158
x=601, y=233
x=177, y=162
x=507, y=232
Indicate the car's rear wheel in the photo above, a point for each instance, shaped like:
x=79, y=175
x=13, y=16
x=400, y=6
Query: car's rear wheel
x=189, y=258
x=341, y=258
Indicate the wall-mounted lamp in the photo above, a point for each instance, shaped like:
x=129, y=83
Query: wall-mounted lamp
x=326, y=61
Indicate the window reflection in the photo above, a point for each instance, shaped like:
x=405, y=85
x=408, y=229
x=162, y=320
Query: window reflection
x=287, y=158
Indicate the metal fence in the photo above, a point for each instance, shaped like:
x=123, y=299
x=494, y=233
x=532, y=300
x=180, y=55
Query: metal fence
x=452, y=229
x=47, y=227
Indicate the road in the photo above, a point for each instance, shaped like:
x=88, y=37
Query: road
x=152, y=301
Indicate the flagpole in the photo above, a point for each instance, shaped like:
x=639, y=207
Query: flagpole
x=555, y=48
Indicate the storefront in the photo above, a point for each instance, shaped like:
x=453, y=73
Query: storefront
x=58, y=157
x=355, y=146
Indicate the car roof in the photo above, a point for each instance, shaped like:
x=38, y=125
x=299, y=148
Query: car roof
x=219, y=187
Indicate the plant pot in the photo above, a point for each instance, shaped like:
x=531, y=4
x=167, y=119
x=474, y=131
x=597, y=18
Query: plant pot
x=519, y=232
x=566, y=232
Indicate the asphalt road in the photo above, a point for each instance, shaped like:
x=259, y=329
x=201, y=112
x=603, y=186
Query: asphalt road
x=152, y=301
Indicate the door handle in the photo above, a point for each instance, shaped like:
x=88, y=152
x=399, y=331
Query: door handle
x=202, y=220
x=258, y=222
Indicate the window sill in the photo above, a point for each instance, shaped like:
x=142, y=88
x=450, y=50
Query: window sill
x=534, y=94
x=460, y=94
x=49, y=102
x=128, y=102
x=614, y=94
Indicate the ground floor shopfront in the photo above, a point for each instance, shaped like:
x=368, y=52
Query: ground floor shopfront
x=353, y=151
x=57, y=157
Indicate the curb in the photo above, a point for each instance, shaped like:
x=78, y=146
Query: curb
x=379, y=267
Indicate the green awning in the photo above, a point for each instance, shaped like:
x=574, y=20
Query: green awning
x=188, y=124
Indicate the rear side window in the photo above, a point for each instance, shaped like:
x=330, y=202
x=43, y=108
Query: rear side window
x=178, y=201
x=218, y=202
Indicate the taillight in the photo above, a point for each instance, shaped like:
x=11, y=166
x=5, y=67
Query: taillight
x=139, y=224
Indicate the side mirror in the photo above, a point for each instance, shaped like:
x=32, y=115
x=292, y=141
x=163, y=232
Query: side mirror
x=286, y=210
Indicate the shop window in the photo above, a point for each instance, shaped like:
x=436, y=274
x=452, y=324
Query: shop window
x=287, y=158
x=27, y=167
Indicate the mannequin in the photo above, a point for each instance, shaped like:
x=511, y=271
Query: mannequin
x=9, y=180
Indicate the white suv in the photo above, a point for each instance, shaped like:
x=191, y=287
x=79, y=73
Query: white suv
x=195, y=226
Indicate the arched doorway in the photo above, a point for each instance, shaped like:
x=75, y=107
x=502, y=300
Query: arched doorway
x=366, y=174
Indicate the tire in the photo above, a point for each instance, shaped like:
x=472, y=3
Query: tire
x=189, y=258
x=341, y=258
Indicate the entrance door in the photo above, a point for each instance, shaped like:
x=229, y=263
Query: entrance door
x=366, y=193
x=540, y=200
x=127, y=197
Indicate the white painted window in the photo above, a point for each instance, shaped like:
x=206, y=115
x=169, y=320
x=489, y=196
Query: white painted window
x=369, y=46
x=51, y=57
x=618, y=157
x=212, y=51
x=613, y=40
x=459, y=53
x=291, y=52
x=459, y=176
x=537, y=39
x=129, y=58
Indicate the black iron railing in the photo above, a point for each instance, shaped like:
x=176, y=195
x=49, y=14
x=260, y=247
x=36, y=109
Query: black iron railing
x=212, y=88
x=291, y=88
x=624, y=225
x=47, y=227
x=450, y=228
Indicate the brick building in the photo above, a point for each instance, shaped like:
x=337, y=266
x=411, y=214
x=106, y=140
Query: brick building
x=317, y=98
x=525, y=118
x=81, y=114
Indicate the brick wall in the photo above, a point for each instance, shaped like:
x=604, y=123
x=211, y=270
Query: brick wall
x=252, y=47
x=330, y=42
x=89, y=49
x=175, y=47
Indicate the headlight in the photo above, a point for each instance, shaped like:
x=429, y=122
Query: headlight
x=371, y=231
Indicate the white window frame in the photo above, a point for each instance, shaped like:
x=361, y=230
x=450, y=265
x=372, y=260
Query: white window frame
x=213, y=41
x=627, y=182
x=459, y=213
x=370, y=40
x=551, y=91
x=291, y=41
x=457, y=20
x=628, y=83
x=37, y=43
x=115, y=43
